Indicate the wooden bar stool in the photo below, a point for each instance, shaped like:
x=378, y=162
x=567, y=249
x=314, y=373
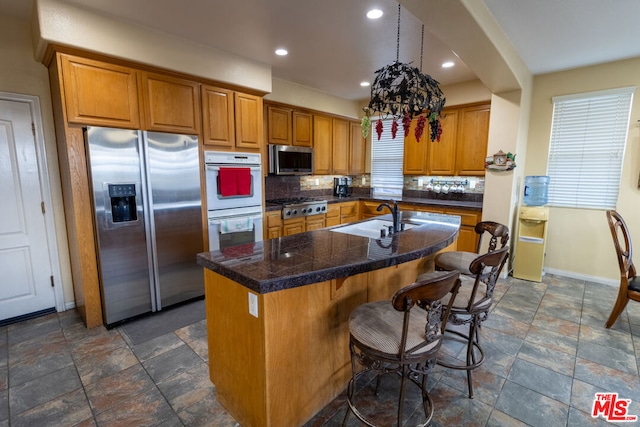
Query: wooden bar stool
x=471, y=306
x=460, y=260
x=401, y=337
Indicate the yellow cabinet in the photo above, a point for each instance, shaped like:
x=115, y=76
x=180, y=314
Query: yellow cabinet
x=170, y=104
x=98, y=93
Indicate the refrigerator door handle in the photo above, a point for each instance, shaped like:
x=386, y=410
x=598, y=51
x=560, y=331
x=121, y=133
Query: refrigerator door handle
x=147, y=203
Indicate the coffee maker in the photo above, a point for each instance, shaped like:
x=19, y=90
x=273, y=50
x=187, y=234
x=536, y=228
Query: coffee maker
x=341, y=187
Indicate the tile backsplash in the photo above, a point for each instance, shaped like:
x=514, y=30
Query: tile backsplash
x=319, y=185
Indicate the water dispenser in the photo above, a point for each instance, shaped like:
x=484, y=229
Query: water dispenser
x=536, y=190
x=123, y=202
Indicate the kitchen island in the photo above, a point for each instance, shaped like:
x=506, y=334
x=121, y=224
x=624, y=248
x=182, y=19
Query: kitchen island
x=277, y=311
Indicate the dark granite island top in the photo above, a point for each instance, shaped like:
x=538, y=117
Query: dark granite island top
x=320, y=255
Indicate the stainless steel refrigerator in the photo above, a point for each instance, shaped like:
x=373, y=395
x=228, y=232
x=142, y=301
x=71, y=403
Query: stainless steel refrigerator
x=148, y=219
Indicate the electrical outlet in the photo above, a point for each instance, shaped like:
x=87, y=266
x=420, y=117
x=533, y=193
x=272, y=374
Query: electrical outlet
x=472, y=184
x=420, y=182
x=253, y=304
x=364, y=180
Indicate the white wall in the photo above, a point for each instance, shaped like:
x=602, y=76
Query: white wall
x=64, y=24
x=20, y=73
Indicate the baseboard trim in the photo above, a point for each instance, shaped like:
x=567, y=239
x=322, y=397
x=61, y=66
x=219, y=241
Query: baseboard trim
x=28, y=316
x=580, y=276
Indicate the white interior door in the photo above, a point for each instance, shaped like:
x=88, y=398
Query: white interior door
x=25, y=263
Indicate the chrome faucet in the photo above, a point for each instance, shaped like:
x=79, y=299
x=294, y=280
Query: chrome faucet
x=395, y=213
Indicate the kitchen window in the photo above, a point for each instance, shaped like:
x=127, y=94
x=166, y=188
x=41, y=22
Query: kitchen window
x=386, y=161
x=588, y=139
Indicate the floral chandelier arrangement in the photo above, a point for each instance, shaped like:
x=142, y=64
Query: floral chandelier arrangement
x=403, y=92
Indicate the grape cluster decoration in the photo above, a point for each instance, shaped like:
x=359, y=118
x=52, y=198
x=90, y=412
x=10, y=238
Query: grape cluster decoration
x=403, y=92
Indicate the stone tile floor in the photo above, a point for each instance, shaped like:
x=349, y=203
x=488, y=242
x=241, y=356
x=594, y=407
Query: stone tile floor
x=548, y=353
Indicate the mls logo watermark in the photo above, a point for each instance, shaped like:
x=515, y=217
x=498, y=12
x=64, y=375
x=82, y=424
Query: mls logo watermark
x=612, y=408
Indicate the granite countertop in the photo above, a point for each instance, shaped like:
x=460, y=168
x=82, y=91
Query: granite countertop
x=320, y=255
x=418, y=201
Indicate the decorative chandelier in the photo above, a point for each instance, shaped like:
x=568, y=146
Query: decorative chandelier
x=403, y=92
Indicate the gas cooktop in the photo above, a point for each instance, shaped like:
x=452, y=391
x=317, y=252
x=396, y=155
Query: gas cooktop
x=293, y=207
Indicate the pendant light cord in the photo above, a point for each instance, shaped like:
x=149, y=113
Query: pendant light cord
x=421, y=47
x=398, y=39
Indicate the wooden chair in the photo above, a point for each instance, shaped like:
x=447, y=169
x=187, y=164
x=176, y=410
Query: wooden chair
x=471, y=306
x=460, y=260
x=400, y=338
x=629, y=282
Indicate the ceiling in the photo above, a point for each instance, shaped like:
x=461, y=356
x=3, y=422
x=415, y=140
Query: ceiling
x=333, y=46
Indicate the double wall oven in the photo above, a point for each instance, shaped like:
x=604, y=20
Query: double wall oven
x=234, y=199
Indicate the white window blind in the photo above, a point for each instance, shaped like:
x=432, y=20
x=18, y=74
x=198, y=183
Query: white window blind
x=386, y=161
x=588, y=138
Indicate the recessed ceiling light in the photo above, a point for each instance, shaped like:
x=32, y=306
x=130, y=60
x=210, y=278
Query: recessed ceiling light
x=281, y=52
x=364, y=84
x=448, y=64
x=374, y=14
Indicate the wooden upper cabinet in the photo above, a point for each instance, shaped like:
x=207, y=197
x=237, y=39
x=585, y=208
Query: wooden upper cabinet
x=441, y=156
x=473, y=136
x=340, y=146
x=322, y=140
x=356, y=150
x=170, y=104
x=302, y=129
x=415, y=153
x=218, y=117
x=279, y=125
x=462, y=147
x=249, y=121
x=97, y=93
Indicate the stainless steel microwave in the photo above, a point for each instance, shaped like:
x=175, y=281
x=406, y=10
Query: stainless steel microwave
x=290, y=160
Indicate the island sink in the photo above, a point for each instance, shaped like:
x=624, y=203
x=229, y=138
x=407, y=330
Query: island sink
x=372, y=229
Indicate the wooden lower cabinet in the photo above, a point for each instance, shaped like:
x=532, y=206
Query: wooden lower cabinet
x=368, y=210
x=349, y=212
x=314, y=222
x=298, y=343
x=272, y=225
x=333, y=215
x=467, y=238
x=346, y=212
x=293, y=226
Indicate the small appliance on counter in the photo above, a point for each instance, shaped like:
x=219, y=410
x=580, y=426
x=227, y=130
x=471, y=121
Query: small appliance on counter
x=342, y=187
